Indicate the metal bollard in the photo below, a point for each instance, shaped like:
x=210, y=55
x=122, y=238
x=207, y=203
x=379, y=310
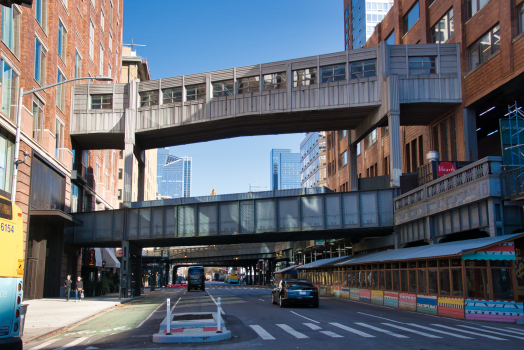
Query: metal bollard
x=168, y=319
x=219, y=317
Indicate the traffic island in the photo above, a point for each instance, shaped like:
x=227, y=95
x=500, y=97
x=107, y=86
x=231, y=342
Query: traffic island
x=196, y=327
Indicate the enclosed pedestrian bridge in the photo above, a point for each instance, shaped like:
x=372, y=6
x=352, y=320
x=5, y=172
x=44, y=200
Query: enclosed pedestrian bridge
x=351, y=90
x=274, y=216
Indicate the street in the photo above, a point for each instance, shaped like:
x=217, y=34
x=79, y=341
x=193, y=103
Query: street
x=256, y=323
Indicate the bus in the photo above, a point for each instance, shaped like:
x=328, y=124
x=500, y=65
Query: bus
x=11, y=273
x=232, y=278
x=196, y=279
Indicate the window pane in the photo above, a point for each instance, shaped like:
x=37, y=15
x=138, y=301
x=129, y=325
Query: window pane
x=381, y=280
x=375, y=279
x=396, y=280
x=404, y=280
x=456, y=276
x=477, y=283
x=496, y=39
x=444, y=282
x=422, y=283
x=412, y=281
x=485, y=47
x=388, y=280
x=502, y=284
x=368, y=279
x=411, y=18
x=432, y=281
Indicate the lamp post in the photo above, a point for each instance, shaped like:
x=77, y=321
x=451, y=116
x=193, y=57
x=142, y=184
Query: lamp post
x=21, y=95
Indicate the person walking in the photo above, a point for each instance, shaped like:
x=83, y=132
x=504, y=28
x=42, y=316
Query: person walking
x=67, y=286
x=79, y=285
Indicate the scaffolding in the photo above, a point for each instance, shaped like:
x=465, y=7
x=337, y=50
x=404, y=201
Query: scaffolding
x=512, y=143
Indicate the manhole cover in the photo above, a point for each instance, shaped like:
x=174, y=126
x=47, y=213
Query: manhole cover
x=189, y=317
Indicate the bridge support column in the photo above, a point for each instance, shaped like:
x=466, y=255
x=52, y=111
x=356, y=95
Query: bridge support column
x=131, y=270
x=469, y=119
x=353, y=170
x=395, y=150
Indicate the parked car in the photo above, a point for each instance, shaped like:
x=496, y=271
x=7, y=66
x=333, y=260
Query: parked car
x=295, y=292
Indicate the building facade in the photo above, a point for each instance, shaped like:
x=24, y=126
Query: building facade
x=173, y=175
x=313, y=160
x=360, y=19
x=54, y=41
x=490, y=37
x=284, y=169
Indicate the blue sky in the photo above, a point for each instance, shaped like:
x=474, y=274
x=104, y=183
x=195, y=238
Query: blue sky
x=185, y=37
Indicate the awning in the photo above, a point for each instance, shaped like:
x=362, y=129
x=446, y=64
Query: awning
x=53, y=215
x=288, y=269
x=324, y=262
x=108, y=255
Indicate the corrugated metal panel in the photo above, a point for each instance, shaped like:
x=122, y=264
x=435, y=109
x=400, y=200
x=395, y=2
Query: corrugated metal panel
x=248, y=71
x=148, y=85
x=171, y=82
x=229, y=218
x=195, y=79
x=223, y=74
x=423, y=50
x=187, y=220
x=289, y=214
x=275, y=67
x=101, y=89
x=207, y=219
x=333, y=58
x=80, y=89
x=362, y=54
x=324, y=262
x=312, y=215
x=265, y=214
x=308, y=62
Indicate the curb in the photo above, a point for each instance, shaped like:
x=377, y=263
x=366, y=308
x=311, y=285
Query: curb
x=76, y=323
x=197, y=337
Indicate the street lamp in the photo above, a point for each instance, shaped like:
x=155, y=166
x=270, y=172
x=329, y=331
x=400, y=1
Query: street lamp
x=21, y=94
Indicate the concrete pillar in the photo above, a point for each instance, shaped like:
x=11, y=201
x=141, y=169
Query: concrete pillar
x=130, y=269
x=353, y=170
x=395, y=151
x=125, y=283
x=141, y=186
x=469, y=121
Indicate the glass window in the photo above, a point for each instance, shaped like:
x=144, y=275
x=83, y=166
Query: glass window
x=388, y=280
x=59, y=138
x=433, y=281
x=381, y=280
x=91, y=40
x=343, y=159
x=102, y=101
x=148, y=98
x=486, y=46
x=422, y=65
x=60, y=91
x=445, y=288
x=119, y=194
x=120, y=172
x=475, y=6
x=362, y=69
x=40, y=57
x=62, y=40
x=358, y=149
x=372, y=138
x=396, y=280
x=390, y=40
x=11, y=28
x=403, y=280
x=502, y=283
x=78, y=65
x=196, y=92
x=101, y=61
x=38, y=119
x=249, y=84
x=275, y=81
x=172, y=95
x=412, y=281
x=456, y=278
x=9, y=81
x=520, y=15
x=422, y=282
x=375, y=279
x=477, y=283
x=333, y=73
x=305, y=77
x=368, y=278
x=6, y=160
x=41, y=13
x=443, y=29
x=223, y=88
x=411, y=18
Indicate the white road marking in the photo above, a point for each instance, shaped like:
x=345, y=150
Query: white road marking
x=332, y=334
x=498, y=333
x=221, y=310
x=387, y=319
x=261, y=299
x=312, y=326
x=151, y=314
x=516, y=329
x=43, y=345
x=292, y=331
x=307, y=318
x=91, y=348
x=174, y=305
x=73, y=343
x=352, y=330
x=468, y=332
x=262, y=332
x=396, y=335
x=412, y=331
x=505, y=330
x=439, y=331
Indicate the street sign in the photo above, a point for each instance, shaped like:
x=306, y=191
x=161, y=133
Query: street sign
x=319, y=242
x=445, y=168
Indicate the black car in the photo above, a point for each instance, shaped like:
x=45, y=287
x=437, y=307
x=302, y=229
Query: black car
x=295, y=292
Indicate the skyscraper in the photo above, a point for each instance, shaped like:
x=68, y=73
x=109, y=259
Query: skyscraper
x=285, y=169
x=173, y=174
x=313, y=160
x=360, y=19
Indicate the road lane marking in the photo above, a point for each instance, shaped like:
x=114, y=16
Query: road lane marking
x=505, y=335
x=221, y=310
x=393, y=334
x=439, y=331
x=332, y=334
x=148, y=317
x=293, y=332
x=387, y=319
x=307, y=318
x=73, y=343
x=261, y=299
x=312, y=326
x=43, y=345
x=505, y=330
x=352, y=330
x=262, y=332
x=468, y=332
x=175, y=305
x=413, y=331
x=516, y=329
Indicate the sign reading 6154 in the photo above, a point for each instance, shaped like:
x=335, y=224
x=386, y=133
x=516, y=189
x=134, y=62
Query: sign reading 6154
x=7, y=227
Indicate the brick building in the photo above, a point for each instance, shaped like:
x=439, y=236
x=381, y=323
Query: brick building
x=54, y=41
x=491, y=44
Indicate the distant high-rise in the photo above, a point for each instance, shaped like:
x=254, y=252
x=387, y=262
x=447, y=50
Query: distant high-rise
x=173, y=174
x=285, y=169
x=360, y=19
x=256, y=187
x=313, y=160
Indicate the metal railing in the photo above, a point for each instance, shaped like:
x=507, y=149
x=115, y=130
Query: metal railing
x=514, y=183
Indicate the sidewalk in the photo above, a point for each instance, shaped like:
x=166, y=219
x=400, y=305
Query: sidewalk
x=45, y=316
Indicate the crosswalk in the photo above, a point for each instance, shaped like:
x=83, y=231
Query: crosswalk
x=396, y=330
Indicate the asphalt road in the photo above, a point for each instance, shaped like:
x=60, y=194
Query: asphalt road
x=256, y=323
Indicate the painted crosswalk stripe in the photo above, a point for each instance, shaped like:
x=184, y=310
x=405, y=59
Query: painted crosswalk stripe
x=43, y=345
x=312, y=326
x=411, y=330
x=515, y=329
x=506, y=330
x=498, y=333
x=352, y=330
x=396, y=335
x=73, y=343
x=468, y=332
x=440, y=331
x=292, y=331
x=262, y=332
x=332, y=334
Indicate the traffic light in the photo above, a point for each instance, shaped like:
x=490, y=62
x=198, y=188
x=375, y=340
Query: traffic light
x=9, y=3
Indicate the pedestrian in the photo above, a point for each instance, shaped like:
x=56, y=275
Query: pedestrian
x=79, y=289
x=67, y=286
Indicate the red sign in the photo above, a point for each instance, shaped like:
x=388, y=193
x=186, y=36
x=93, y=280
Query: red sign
x=445, y=168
